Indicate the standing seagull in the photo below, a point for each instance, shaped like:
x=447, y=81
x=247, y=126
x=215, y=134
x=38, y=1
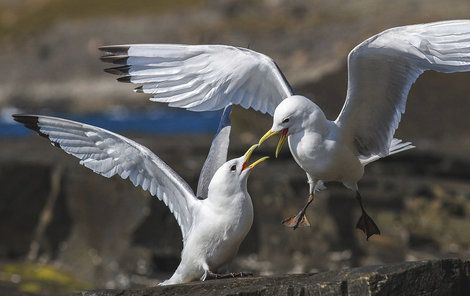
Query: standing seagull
x=381, y=72
x=213, y=224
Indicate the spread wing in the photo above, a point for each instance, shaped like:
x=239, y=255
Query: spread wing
x=200, y=77
x=382, y=70
x=110, y=154
x=217, y=154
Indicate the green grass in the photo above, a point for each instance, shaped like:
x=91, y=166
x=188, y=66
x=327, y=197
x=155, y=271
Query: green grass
x=41, y=279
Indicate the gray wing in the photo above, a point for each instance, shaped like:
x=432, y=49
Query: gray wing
x=382, y=70
x=217, y=153
x=200, y=77
x=110, y=154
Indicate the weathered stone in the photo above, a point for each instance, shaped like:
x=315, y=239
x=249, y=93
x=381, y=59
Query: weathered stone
x=440, y=277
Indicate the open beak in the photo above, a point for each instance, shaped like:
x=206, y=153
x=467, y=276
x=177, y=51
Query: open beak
x=281, y=142
x=247, y=156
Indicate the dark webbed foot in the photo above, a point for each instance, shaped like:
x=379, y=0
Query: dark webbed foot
x=367, y=225
x=365, y=222
x=299, y=220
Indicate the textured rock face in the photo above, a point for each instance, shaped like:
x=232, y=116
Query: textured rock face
x=440, y=277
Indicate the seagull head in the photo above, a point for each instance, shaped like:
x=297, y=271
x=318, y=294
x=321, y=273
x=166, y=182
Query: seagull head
x=292, y=115
x=232, y=176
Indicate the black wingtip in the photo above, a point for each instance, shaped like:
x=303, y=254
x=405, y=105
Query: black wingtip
x=115, y=59
x=32, y=122
x=114, y=49
x=139, y=89
x=121, y=70
x=126, y=79
x=116, y=54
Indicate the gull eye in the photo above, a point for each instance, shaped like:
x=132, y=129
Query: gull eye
x=233, y=168
x=285, y=120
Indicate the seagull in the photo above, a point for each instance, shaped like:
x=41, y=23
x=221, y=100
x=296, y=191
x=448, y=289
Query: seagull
x=381, y=71
x=213, y=223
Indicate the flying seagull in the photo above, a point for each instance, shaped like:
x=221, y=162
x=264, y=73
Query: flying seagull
x=212, y=225
x=381, y=72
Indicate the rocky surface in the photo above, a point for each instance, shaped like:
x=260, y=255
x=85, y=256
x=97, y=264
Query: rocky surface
x=439, y=277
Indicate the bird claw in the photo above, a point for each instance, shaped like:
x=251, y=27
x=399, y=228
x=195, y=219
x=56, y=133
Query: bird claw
x=216, y=276
x=367, y=225
x=240, y=274
x=299, y=220
x=208, y=275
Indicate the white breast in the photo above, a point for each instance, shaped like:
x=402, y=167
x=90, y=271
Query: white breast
x=323, y=158
x=220, y=232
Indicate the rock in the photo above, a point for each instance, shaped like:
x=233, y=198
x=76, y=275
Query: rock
x=439, y=277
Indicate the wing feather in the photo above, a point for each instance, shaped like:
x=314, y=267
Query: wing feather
x=110, y=154
x=381, y=71
x=200, y=77
x=217, y=155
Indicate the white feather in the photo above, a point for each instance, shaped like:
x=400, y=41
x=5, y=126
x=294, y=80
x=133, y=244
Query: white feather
x=382, y=70
x=204, y=77
x=108, y=154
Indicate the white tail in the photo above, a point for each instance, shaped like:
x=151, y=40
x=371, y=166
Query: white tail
x=396, y=146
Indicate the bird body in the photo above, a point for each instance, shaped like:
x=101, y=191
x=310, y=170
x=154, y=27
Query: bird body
x=212, y=225
x=381, y=71
x=316, y=144
x=223, y=220
x=325, y=159
x=323, y=151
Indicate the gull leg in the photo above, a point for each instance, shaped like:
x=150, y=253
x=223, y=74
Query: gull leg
x=299, y=220
x=242, y=274
x=365, y=222
x=208, y=275
x=234, y=275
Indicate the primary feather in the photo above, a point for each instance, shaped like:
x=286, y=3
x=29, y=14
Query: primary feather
x=200, y=77
x=110, y=154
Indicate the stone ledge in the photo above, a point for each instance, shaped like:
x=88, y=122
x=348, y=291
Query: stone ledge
x=436, y=277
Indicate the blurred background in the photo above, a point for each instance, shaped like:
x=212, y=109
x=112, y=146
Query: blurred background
x=63, y=228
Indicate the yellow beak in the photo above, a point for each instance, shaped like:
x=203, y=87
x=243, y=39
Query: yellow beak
x=247, y=157
x=251, y=166
x=266, y=136
x=281, y=142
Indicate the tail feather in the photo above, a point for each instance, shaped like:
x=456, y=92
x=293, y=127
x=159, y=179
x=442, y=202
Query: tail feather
x=396, y=146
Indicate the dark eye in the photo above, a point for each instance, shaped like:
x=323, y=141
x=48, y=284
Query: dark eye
x=233, y=168
x=285, y=120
